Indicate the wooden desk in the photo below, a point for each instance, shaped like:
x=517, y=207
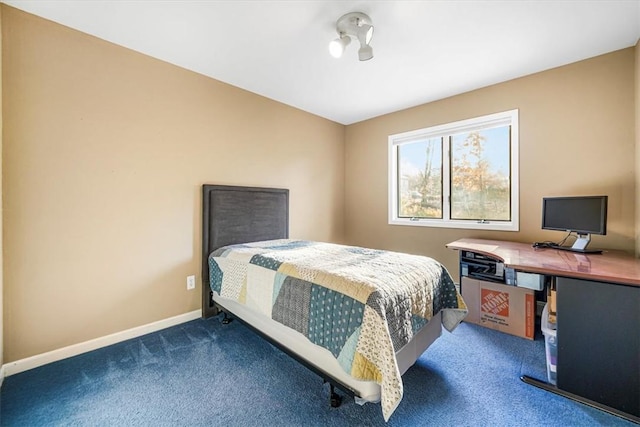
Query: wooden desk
x=611, y=266
x=598, y=320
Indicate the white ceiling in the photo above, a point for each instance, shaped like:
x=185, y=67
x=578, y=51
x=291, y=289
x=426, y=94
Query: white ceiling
x=424, y=50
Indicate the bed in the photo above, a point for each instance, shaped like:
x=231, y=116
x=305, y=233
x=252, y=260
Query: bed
x=358, y=317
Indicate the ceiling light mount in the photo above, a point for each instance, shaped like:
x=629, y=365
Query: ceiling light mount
x=354, y=24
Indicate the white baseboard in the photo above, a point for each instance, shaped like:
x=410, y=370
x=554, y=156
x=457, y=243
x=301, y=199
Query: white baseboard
x=83, y=347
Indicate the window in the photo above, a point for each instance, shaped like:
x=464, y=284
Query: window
x=456, y=175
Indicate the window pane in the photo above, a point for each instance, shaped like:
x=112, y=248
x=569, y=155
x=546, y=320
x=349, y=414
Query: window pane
x=480, y=175
x=420, y=179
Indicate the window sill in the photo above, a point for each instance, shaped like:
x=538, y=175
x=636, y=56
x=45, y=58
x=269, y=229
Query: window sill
x=473, y=225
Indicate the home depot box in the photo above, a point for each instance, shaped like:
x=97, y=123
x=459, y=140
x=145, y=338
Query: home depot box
x=509, y=309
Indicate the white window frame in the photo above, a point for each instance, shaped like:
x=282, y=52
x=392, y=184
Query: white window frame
x=478, y=123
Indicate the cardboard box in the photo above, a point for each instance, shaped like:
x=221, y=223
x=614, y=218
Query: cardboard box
x=509, y=309
x=551, y=300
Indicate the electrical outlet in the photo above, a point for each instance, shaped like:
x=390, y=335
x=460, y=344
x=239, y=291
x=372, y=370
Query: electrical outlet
x=191, y=282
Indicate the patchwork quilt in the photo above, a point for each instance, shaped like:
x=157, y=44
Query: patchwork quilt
x=361, y=304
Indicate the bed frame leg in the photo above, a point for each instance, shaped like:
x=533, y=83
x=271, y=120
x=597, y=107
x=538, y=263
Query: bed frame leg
x=335, y=399
x=226, y=319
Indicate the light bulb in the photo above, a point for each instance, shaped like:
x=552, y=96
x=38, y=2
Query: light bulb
x=337, y=46
x=367, y=30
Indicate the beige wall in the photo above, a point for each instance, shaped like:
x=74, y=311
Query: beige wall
x=576, y=137
x=1, y=239
x=105, y=151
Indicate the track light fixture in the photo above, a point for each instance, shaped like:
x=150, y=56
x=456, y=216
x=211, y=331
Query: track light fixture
x=354, y=24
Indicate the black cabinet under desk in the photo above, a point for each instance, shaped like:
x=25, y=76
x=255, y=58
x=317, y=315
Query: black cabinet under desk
x=599, y=342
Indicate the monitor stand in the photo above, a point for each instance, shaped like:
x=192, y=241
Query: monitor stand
x=580, y=245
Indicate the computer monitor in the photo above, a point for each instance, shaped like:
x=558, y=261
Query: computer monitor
x=583, y=215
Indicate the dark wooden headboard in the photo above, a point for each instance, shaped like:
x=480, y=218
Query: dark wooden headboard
x=232, y=215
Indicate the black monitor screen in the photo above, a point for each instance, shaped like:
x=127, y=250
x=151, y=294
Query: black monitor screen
x=587, y=214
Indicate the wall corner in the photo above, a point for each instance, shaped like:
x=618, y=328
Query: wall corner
x=2, y=6
x=637, y=136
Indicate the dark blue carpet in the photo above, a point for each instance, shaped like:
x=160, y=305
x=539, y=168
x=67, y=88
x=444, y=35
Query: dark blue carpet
x=206, y=373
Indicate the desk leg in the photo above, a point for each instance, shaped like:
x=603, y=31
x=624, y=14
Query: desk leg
x=553, y=389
